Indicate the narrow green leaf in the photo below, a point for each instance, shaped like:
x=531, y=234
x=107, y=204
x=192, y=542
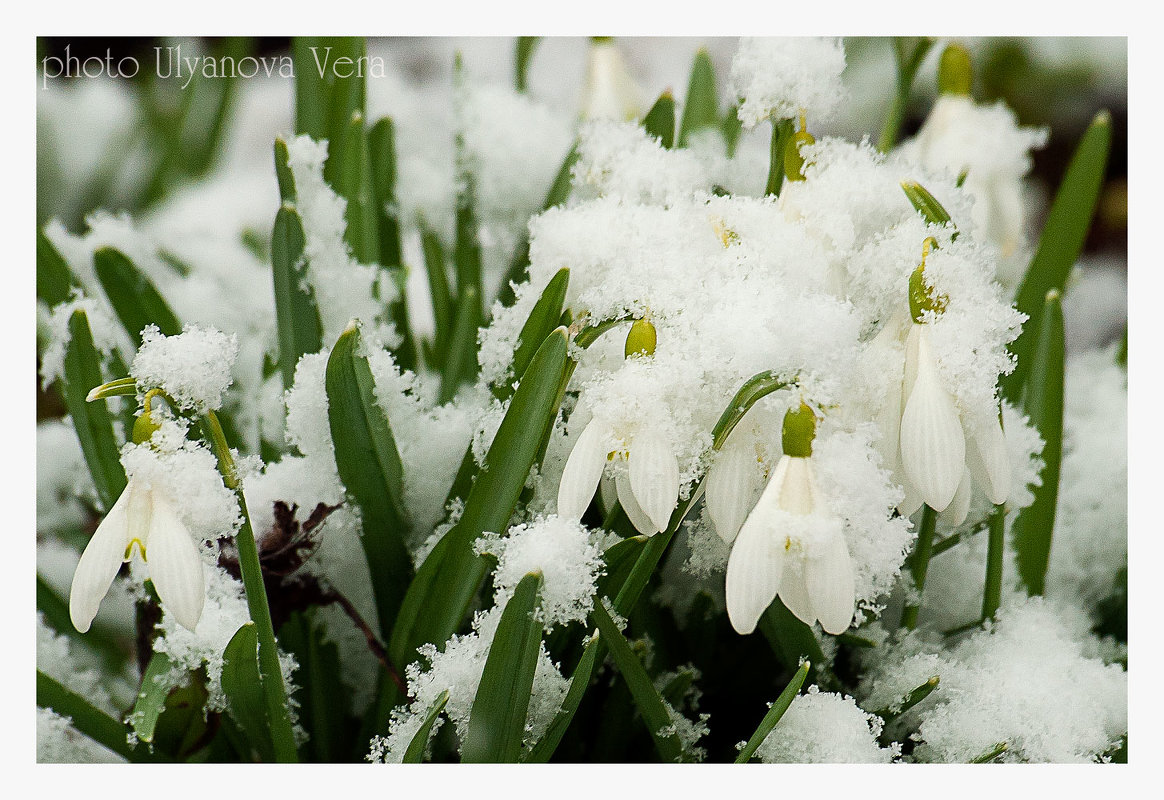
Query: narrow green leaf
x=647, y=700
x=369, y=466
x=296, y=314
x=775, y=712
x=134, y=299
x=914, y=697
x=659, y=122
x=497, y=718
x=926, y=204
x=560, y=188
x=92, y=421
x=312, y=90
x=332, y=731
x=283, y=174
x=156, y=685
x=345, y=101
x=54, y=280
x=1061, y=241
x=439, y=598
x=541, y=322
x=54, y=608
x=353, y=182
x=701, y=109
x=438, y=283
x=89, y=720
x=244, y=690
x=466, y=247
x=1042, y=401
x=461, y=362
x=523, y=51
x=415, y=752
x=620, y=558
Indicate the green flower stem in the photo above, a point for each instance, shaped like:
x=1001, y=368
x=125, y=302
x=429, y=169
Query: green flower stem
x=907, y=67
x=920, y=563
x=252, y=575
x=992, y=592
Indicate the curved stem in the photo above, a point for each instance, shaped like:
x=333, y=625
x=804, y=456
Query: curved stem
x=252, y=575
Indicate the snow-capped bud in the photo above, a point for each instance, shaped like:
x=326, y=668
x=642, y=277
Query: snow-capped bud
x=640, y=339
x=955, y=73
x=922, y=297
x=798, y=431
x=793, y=159
x=611, y=92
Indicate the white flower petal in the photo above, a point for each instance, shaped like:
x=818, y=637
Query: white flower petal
x=794, y=592
x=630, y=506
x=100, y=562
x=731, y=487
x=911, y=502
x=754, y=570
x=654, y=476
x=175, y=566
x=987, y=458
x=933, y=447
x=828, y=576
x=798, y=487
x=583, y=470
x=610, y=92
x=955, y=513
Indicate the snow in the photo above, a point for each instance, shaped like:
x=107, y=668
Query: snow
x=781, y=77
x=193, y=367
x=825, y=728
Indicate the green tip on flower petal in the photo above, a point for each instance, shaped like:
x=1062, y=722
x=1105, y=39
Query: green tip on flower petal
x=955, y=72
x=798, y=431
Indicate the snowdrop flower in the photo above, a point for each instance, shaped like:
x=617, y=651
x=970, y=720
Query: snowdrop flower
x=930, y=449
x=143, y=518
x=611, y=92
x=791, y=545
x=648, y=490
x=988, y=146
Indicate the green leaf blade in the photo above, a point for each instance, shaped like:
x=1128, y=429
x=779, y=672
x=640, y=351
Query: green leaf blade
x=370, y=467
x=652, y=707
x=768, y=723
x=1061, y=241
x=134, y=298
x=1042, y=401
x=497, y=719
x=54, y=280
x=659, y=122
x=414, y=753
x=439, y=598
x=243, y=687
x=92, y=421
x=701, y=108
x=296, y=314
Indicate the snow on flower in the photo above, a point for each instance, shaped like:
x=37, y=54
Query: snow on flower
x=779, y=78
x=193, y=367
